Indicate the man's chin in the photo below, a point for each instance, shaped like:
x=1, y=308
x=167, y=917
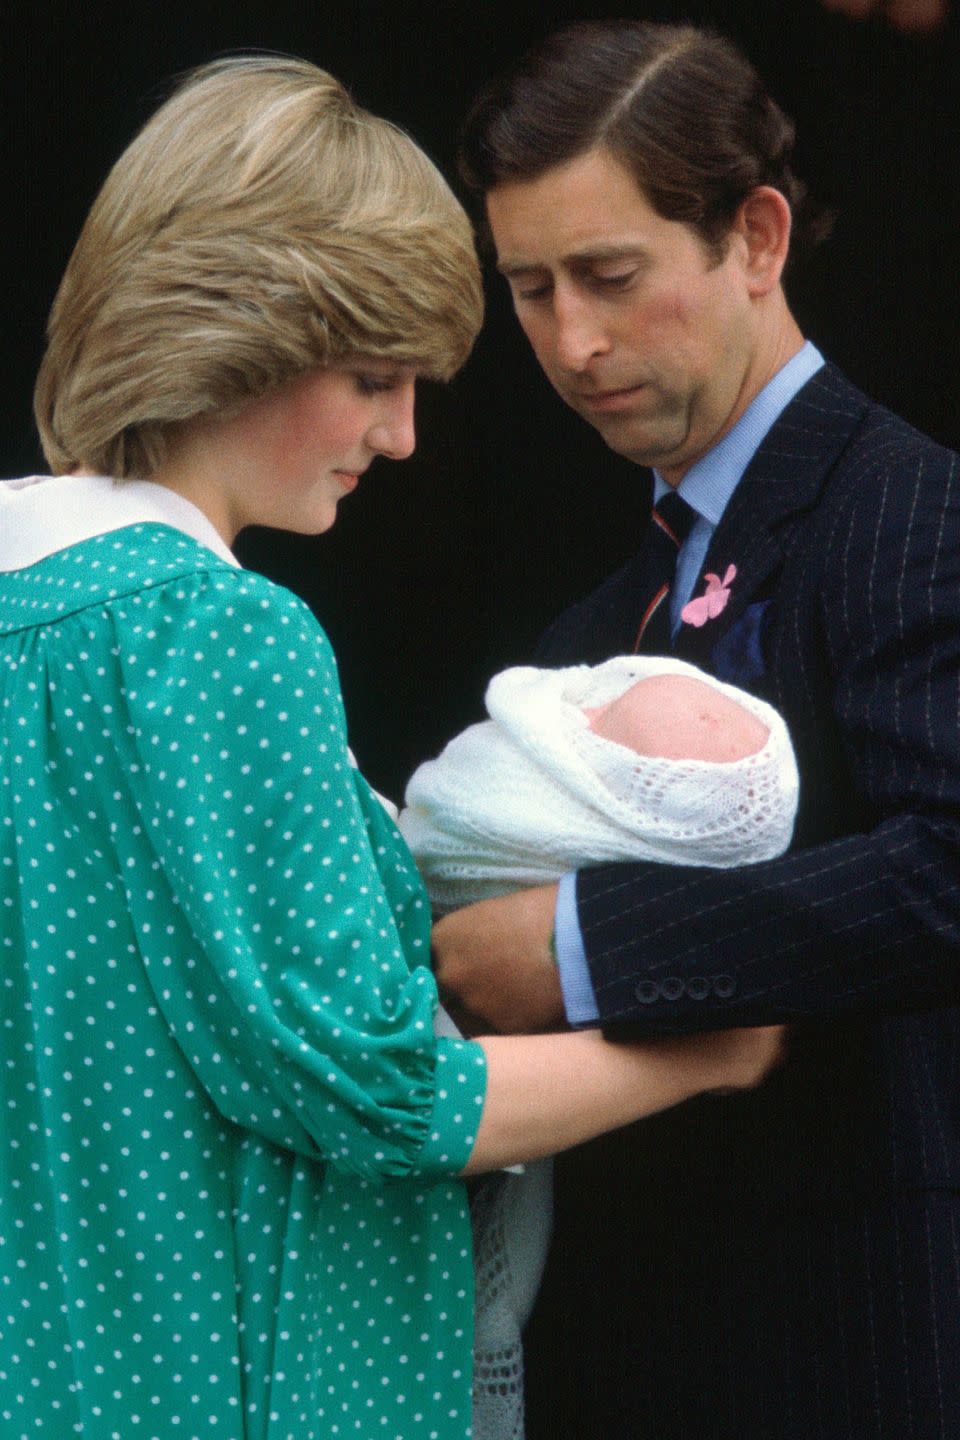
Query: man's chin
x=638, y=442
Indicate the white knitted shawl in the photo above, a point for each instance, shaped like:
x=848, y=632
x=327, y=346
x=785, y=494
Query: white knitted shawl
x=533, y=792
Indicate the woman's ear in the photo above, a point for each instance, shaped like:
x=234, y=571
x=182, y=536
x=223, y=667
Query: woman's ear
x=763, y=225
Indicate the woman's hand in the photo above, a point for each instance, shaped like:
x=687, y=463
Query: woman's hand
x=548, y=1092
x=738, y=1059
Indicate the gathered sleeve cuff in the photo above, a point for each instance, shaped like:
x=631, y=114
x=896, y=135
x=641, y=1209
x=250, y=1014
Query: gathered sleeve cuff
x=461, y=1078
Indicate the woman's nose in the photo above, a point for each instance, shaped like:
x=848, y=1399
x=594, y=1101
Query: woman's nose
x=393, y=434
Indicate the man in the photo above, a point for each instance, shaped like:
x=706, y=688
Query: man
x=784, y=1264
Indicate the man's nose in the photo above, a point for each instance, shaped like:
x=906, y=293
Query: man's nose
x=580, y=334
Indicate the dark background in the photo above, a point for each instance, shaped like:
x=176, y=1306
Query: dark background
x=445, y=568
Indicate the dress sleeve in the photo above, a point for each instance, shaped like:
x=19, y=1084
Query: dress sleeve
x=285, y=930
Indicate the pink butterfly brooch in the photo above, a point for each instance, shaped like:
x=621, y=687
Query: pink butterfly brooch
x=713, y=600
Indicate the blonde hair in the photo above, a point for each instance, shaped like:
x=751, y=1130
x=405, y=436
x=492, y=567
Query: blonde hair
x=261, y=225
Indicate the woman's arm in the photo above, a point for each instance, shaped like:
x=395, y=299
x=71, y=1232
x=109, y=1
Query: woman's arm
x=548, y=1092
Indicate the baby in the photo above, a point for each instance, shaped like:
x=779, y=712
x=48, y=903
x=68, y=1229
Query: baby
x=640, y=758
x=643, y=758
x=679, y=717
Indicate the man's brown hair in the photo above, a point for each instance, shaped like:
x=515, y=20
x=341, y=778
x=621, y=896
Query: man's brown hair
x=680, y=107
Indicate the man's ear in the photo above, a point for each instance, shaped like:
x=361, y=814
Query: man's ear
x=763, y=225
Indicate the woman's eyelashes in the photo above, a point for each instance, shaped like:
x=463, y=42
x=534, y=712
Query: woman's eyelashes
x=368, y=384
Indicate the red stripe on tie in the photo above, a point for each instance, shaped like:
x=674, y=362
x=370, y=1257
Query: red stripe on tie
x=648, y=614
x=667, y=529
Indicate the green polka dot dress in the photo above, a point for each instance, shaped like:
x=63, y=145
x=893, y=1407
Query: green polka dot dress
x=228, y=1134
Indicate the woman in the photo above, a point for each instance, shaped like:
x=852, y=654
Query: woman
x=231, y=1141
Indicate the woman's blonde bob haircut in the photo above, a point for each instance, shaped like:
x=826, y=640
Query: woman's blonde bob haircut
x=260, y=226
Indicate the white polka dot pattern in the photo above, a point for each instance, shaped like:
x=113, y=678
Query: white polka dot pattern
x=216, y=1015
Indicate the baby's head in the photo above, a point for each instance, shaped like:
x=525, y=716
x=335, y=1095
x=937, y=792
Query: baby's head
x=675, y=717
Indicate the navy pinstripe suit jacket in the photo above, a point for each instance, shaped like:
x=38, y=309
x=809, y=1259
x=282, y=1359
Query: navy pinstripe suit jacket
x=785, y=1262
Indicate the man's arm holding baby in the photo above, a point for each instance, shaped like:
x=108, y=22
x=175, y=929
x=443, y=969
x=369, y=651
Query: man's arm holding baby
x=496, y=966
x=496, y=961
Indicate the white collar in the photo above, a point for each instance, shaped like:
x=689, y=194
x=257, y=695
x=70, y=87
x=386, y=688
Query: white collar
x=46, y=513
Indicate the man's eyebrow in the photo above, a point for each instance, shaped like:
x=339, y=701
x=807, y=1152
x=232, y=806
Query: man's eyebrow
x=613, y=250
x=509, y=268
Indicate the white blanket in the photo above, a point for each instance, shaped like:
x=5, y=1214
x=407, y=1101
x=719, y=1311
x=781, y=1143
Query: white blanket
x=533, y=792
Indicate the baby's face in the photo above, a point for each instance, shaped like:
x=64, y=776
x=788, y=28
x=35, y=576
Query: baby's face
x=677, y=717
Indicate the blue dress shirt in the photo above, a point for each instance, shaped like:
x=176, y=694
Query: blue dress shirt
x=707, y=487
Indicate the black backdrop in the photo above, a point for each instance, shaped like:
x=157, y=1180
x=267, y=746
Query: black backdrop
x=444, y=568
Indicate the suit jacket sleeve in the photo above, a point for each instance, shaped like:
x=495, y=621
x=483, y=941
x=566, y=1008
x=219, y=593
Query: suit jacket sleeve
x=864, y=660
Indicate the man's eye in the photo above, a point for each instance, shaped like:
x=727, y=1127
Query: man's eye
x=613, y=279
x=531, y=292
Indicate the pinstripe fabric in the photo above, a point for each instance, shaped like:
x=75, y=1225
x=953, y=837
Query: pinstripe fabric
x=786, y=1261
x=811, y=1327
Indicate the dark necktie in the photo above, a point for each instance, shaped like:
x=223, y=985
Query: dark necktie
x=670, y=522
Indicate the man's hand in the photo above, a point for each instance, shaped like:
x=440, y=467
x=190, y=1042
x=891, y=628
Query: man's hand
x=495, y=967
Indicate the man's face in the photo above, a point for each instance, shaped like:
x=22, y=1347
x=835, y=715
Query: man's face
x=637, y=325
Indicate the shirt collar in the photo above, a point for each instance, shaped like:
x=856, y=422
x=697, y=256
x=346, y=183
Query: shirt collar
x=711, y=480
x=46, y=513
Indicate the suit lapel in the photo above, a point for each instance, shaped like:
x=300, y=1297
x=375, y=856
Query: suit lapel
x=780, y=486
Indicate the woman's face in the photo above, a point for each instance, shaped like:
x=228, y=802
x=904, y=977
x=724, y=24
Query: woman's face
x=287, y=459
x=307, y=445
